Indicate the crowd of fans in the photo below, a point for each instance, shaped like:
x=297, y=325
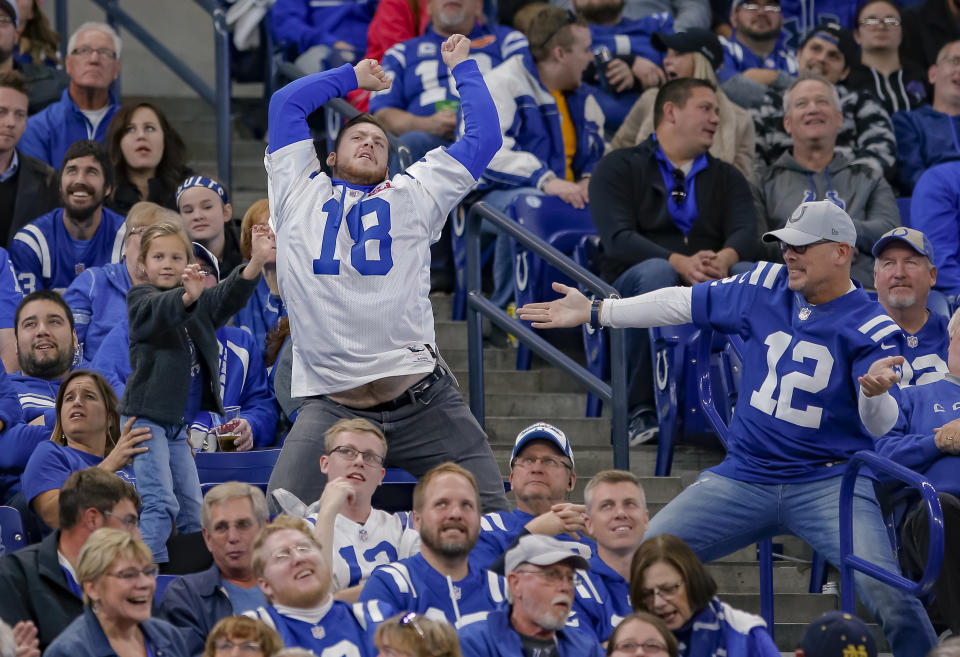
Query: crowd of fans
x=135, y=311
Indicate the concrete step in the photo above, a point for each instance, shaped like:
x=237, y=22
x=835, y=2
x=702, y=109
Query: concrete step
x=494, y=358
x=538, y=404
x=543, y=380
x=450, y=334
x=744, y=576
x=787, y=607
x=247, y=173
x=581, y=431
x=789, y=546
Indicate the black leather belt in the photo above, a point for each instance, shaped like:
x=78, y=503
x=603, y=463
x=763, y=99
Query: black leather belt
x=411, y=394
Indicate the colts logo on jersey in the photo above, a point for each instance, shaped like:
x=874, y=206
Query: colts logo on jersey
x=379, y=188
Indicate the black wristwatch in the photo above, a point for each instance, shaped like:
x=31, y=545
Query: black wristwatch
x=595, y=314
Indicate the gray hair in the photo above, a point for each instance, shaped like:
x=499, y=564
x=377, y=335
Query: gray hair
x=93, y=26
x=949, y=648
x=8, y=646
x=233, y=490
x=953, y=325
x=803, y=77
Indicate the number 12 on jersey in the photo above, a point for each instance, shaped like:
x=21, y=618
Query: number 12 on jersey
x=327, y=263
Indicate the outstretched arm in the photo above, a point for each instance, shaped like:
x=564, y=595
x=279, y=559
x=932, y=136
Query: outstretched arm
x=291, y=105
x=663, y=307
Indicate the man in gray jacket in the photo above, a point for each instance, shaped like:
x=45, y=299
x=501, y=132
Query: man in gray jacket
x=813, y=171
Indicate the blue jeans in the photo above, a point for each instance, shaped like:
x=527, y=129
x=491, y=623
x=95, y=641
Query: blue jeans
x=503, y=278
x=168, y=485
x=717, y=515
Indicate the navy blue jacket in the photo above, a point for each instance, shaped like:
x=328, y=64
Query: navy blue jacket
x=51, y=132
x=196, y=603
x=85, y=638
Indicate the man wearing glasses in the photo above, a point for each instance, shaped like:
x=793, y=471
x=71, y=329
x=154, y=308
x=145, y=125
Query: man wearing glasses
x=542, y=476
x=669, y=213
x=87, y=105
x=293, y=571
x=440, y=579
x=756, y=57
x=541, y=579
x=38, y=583
x=929, y=135
x=812, y=335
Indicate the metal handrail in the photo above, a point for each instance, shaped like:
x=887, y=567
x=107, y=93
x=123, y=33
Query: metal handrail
x=219, y=97
x=479, y=306
x=849, y=562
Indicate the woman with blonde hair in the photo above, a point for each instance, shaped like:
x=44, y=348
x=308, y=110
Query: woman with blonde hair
x=248, y=636
x=695, y=54
x=415, y=635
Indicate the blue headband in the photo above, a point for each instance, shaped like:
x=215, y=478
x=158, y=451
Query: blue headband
x=202, y=181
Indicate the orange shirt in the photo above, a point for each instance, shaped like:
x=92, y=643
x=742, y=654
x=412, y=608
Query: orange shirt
x=569, y=134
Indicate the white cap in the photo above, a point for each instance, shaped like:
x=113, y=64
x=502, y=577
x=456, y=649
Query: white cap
x=543, y=550
x=814, y=221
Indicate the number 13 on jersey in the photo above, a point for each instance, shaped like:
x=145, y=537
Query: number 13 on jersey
x=372, y=226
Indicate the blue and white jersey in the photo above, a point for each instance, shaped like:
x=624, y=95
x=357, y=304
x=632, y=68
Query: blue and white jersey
x=796, y=417
x=10, y=294
x=355, y=259
x=801, y=16
x=497, y=531
x=631, y=36
x=602, y=600
x=37, y=397
x=98, y=299
x=46, y=257
x=926, y=352
x=414, y=585
x=911, y=443
x=261, y=314
x=341, y=630
x=737, y=58
x=422, y=83
x=359, y=548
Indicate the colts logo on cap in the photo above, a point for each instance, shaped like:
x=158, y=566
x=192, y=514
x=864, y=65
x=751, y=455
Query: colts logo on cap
x=796, y=214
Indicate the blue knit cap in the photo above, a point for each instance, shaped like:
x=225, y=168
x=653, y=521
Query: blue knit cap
x=202, y=181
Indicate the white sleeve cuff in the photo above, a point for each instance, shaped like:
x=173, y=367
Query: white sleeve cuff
x=878, y=413
x=665, y=307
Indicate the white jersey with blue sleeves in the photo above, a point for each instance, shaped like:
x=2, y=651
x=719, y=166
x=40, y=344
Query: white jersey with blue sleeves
x=359, y=548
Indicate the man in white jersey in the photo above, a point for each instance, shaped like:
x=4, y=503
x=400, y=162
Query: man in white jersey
x=363, y=537
x=353, y=255
x=812, y=334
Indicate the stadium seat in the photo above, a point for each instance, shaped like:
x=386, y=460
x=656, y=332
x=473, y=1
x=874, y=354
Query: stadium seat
x=396, y=491
x=560, y=225
x=253, y=467
x=12, y=536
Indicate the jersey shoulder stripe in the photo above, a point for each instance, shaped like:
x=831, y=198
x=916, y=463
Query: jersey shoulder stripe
x=884, y=325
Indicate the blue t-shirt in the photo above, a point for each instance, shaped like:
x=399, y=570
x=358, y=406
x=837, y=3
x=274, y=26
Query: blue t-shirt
x=51, y=464
x=631, y=36
x=796, y=417
x=244, y=599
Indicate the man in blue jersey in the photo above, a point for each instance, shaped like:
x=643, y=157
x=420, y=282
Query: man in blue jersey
x=421, y=104
x=440, y=581
x=294, y=575
x=617, y=518
x=542, y=476
x=903, y=274
x=54, y=249
x=541, y=576
x=353, y=254
x=813, y=333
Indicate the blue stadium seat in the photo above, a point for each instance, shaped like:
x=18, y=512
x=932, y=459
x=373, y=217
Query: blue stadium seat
x=163, y=581
x=253, y=467
x=559, y=224
x=396, y=491
x=12, y=536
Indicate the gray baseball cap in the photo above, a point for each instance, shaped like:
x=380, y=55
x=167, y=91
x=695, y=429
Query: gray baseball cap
x=814, y=221
x=543, y=550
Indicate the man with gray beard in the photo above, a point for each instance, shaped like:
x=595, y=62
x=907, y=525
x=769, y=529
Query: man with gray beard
x=440, y=579
x=541, y=579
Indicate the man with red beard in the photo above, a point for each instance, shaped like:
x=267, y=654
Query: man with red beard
x=440, y=579
x=541, y=576
x=54, y=249
x=294, y=575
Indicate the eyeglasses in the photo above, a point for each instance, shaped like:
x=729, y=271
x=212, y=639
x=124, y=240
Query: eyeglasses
x=248, y=647
x=953, y=62
x=129, y=521
x=410, y=619
x=350, y=453
x=5, y=21
x=678, y=193
x=87, y=51
x=554, y=576
x=770, y=9
x=570, y=20
x=665, y=591
x=886, y=21
x=131, y=574
x=649, y=647
x=801, y=248
x=285, y=553
x=548, y=462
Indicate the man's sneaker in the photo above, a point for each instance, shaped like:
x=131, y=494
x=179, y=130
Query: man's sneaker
x=643, y=426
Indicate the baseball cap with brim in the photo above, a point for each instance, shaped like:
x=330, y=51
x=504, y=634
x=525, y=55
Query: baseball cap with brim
x=737, y=3
x=542, y=431
x=910, y=236
x=835, y=634
x=201, y=253
x=543, y=550
x=695, y=39
x=814, y=221
x=839, y=37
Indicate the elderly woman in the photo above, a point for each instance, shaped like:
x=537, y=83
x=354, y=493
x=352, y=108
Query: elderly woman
x=87, y=433
x=118, y=578
x=669, y=581
x=735, y=139
x=266, y=307
x=247, y=636
x=641, y=630
x=414, y=635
